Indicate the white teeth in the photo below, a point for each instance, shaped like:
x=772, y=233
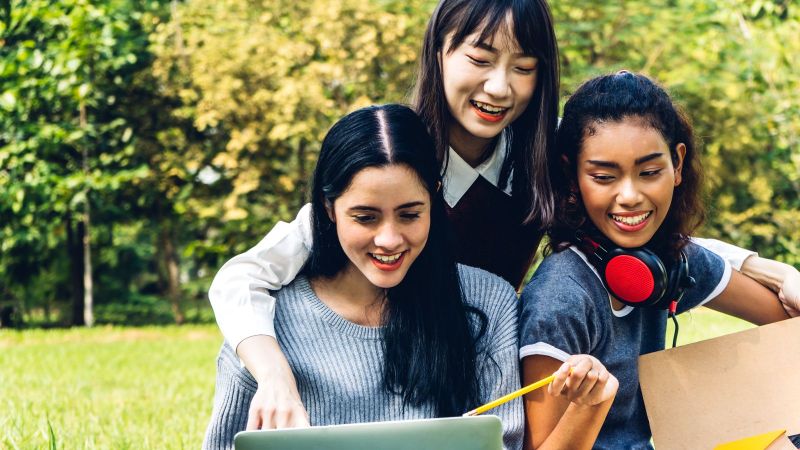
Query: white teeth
x=631, y=220
x=386, y=258
x=488, y=108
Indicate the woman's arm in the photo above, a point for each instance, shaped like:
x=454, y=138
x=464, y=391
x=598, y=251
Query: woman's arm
x=245, y=310
x=778, y=277
x=746, y=299
x=570, y=413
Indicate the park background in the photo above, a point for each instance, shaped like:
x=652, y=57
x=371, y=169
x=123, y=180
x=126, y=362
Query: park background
x=145, y=142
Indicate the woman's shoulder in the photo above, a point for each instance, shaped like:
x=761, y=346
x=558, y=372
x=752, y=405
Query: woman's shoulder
x=485, y=290
x=566, y=266
x=479, y=282
x=563, y=276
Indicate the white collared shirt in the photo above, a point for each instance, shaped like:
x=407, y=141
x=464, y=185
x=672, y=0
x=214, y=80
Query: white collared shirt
x=459, y=176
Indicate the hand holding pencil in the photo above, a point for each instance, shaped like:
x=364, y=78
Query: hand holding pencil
x=582, y=379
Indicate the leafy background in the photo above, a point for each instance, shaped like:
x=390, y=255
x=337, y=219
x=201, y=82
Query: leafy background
x=162, y=137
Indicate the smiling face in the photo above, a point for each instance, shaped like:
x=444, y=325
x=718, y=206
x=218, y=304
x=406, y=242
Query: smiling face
x=382, y=221
x=626, y=179
x=487, y=85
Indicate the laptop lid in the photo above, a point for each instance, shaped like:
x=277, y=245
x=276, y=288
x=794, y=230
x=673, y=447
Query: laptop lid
x=451, y=433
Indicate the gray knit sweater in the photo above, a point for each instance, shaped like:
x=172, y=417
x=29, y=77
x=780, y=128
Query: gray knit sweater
x=339, y=365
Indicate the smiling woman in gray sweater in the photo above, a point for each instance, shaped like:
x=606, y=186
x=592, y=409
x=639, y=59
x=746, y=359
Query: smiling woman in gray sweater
x=382, y=324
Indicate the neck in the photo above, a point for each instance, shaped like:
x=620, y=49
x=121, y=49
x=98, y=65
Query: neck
x=352, y=296
x=472, y=149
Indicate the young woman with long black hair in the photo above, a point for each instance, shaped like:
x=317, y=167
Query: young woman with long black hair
x=382, y=324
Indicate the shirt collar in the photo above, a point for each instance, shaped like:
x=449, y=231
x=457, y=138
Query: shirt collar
x=459, y=175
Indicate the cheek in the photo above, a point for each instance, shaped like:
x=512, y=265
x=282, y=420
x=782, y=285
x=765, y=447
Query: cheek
x=420, y=232
x=525, y=88
x=350, y=237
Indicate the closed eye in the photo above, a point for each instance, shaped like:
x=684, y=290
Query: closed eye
x=477, y=62
x=602, y=178
x=409, y=216
x=651, y=173
x=363, y=218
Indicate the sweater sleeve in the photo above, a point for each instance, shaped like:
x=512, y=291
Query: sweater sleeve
x=235, y=389
x=239, y=294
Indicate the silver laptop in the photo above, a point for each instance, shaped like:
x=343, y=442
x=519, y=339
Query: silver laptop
x=452, y=433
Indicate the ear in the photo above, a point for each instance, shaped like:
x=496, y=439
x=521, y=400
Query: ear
x=329, y=210
x=680, y=150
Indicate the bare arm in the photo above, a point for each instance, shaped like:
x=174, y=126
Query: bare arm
x=749, y=300
x=570, y=413
x=778, y=277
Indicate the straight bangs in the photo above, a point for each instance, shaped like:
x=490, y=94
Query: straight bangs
x=492, y=18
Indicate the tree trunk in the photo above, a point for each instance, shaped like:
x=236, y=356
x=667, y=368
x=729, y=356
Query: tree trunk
x=75, y=252
x=88, y=300
x=171, y=269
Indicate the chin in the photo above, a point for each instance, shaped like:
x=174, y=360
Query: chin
x=385, y=282
x=630, y=241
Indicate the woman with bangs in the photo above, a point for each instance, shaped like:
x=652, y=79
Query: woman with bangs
x=487, y=90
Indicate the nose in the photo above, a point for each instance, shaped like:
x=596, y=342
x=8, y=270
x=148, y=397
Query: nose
x=496, y=85
x=629, y=194
x=388, y=236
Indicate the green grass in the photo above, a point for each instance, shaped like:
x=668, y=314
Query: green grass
x=107, y=387
x=140, y=388
x=702, y=323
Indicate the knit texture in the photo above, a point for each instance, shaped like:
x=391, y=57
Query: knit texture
x=338, y=365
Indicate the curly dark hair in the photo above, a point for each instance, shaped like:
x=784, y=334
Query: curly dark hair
x=615, y=98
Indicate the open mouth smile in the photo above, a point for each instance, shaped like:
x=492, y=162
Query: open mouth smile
x=488, y=112
x=631, y=222
x=387, y=262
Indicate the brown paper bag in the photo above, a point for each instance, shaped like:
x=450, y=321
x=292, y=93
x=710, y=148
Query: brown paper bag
x=716, y=391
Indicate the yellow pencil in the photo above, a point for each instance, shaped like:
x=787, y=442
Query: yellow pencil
x=511, y=396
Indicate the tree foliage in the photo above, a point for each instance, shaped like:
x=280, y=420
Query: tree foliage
x=204, y=119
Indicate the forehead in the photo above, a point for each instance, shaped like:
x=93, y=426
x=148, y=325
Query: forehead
x=384, y=187
x=499, y=35
x=502, y=37
x=621, y=142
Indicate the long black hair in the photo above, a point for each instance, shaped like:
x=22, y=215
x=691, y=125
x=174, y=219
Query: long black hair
x=533, y=132
x=615, y=98
x=430, y=333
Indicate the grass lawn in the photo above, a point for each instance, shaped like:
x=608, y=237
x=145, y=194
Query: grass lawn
x=140, y=388
x=107, y=387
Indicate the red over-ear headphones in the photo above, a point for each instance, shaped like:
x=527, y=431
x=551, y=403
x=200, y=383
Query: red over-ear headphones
x=637, y=276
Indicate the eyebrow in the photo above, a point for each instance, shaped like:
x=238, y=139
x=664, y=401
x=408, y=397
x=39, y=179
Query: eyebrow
x=372, y=208
x=485, y=46
x=614, y=165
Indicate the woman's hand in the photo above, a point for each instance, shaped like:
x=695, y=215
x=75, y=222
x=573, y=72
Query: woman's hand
x=584, y=381
x=276, y=404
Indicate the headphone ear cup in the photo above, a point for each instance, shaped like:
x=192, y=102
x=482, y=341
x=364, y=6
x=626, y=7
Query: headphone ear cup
x=636, y=277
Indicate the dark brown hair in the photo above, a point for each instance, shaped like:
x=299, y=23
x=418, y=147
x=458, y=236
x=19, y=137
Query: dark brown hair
x=615, y=98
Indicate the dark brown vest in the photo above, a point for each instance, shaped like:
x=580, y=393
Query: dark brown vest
x=490, y=235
